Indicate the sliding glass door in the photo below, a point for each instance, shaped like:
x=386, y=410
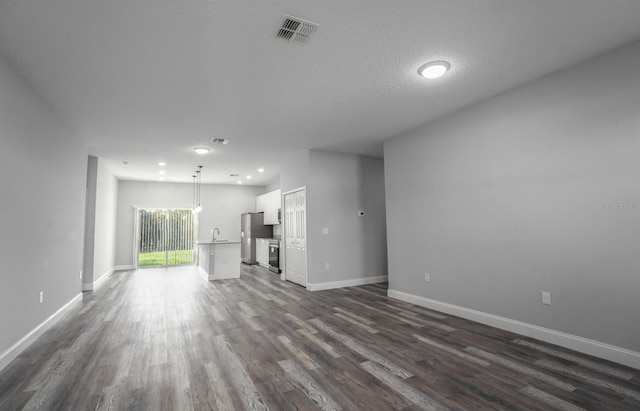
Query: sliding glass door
x=164, y=237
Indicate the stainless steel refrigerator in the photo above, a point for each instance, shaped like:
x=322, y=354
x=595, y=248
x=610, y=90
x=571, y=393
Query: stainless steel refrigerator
x=252, y=227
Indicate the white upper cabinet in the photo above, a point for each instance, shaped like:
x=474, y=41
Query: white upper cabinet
x=269, y=204
x=261, y=203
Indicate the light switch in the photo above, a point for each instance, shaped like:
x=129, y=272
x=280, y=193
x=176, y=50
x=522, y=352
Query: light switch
x=546, y=297
x=325, y=230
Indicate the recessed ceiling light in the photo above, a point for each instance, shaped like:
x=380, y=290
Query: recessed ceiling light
x=239, y=181
x=248, y=177
x=201, y=150
x=162, y=164
x=434, y=69
x=161, y=179
x=162, y=171
x=261, y=170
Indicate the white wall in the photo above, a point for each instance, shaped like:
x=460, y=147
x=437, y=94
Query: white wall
x=222, y=206
x=535, y=189
x=42, y=178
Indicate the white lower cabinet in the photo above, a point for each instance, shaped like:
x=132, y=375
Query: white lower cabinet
x=262, y=252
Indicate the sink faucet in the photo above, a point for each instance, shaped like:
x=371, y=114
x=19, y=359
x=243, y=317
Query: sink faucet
x=213, y=234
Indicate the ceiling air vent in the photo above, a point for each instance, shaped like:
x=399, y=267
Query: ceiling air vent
x=295, y=30
x=220, y=140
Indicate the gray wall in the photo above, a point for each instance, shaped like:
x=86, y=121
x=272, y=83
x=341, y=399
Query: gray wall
x=337, y=186
x=272, y=186
x=355, y=248
x=222, y=206
x=535, y=189
x=100, y=223
x=105, y=223
x=42, y=175
x=90, y=223
x=295, y=172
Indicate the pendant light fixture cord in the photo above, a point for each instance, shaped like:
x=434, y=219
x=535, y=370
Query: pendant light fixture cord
x=193, y=197
x=199, y=183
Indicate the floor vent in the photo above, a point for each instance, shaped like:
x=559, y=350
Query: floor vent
x=295, y=30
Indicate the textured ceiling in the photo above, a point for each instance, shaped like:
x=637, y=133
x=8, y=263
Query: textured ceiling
x=148, y=80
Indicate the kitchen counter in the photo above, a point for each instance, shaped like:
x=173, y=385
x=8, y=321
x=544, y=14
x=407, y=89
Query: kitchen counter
x=219, y=259
x=217, y=242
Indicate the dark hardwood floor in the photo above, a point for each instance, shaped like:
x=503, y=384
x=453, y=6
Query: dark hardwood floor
x=164, y=339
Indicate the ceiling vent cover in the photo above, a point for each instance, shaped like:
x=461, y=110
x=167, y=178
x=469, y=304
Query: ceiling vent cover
x=220, y=140
x=295, y=30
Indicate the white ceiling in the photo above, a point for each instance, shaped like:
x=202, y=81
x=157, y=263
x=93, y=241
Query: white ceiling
x=148, y=80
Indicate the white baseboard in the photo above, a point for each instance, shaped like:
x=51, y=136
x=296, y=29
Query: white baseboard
x=573, y=342
x=347, y=283
x=203, y=273
x=14, y=351
x=212, y=277
x=100, y=280
x=103, y=277
x=124, y=267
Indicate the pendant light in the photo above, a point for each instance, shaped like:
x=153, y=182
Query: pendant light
x=193, y=197
x=198, y=207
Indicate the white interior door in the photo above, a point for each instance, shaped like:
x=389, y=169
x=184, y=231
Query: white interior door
x=289, y=237
x=301, y=236
x=295, y=228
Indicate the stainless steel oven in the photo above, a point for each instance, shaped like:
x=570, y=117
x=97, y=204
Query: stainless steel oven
x=274, y=256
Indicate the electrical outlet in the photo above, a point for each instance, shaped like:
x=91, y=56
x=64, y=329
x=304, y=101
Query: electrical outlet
x=325, y=230
x=546, y=297
x=80, y=274
x=41, y=296
x=327, y=266
x=427, y=277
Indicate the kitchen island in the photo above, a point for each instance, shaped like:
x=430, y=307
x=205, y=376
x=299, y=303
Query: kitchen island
x=219, y=259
